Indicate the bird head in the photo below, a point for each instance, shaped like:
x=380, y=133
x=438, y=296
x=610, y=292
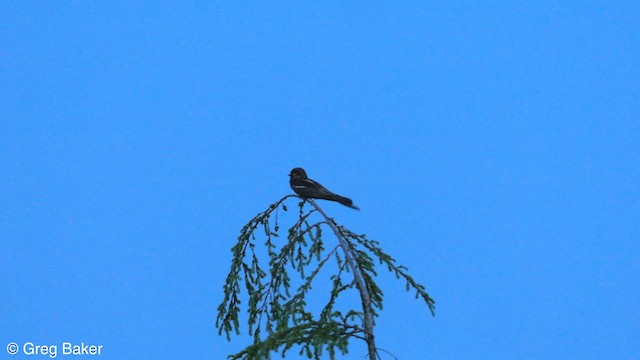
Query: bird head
x=298, y=173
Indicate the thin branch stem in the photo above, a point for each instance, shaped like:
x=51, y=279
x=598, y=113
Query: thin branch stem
x=360, y=284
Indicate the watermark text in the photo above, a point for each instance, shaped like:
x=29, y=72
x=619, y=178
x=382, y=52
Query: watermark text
x=51, y=350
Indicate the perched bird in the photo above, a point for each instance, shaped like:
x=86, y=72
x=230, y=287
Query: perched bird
x=311, y=189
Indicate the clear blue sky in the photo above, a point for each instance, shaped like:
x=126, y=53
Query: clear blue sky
x=493, y=149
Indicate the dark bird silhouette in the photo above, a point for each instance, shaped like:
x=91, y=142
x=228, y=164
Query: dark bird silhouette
x=311, y=189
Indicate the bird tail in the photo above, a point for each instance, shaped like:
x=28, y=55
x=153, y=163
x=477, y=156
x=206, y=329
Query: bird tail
x=345, y=201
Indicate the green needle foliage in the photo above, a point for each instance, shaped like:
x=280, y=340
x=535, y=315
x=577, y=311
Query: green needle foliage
x=278, y=316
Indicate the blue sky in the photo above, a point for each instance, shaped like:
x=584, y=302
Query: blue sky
x=493, y=149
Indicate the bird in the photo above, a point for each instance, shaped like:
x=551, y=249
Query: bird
x=311, y=189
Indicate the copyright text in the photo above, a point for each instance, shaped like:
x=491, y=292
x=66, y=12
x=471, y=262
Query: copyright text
x=66, y=348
